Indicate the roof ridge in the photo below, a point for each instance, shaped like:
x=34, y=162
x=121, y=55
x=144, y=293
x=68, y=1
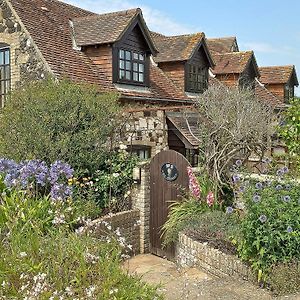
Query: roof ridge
x=71, y=5
x=185, y=35
x=223, y=38
x=278, y=66
x=114, y=13
x=235, y=53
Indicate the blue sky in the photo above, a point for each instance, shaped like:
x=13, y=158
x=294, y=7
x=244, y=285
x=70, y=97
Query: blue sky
x=269, y=27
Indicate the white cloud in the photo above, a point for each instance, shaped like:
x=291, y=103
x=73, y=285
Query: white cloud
x=155, y=19
x=260, y=47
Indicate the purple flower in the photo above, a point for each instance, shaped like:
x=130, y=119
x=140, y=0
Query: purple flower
x=259, y=185
x=60, y=191
x=289, y=229
x=286, y=198
x=229, y=210
x=279, y=172
x=256, y=198
x=238, y=163
x=285, y=169
x=59, y=170
x=267, y=160
x=242, y=189
x=263, y=218
x=278, y=187
x=236, y=178
x=288, y=187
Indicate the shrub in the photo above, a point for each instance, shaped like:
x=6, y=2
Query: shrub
x=284, y=278
x=270, y=228
x=64, y=265
x=51, y=121
x=110, y=185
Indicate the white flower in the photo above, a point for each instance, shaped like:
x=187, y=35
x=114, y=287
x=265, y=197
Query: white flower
x=113, y=291
x=90, y=291
x=122, y=146
x=115, y=175
x=23, y=254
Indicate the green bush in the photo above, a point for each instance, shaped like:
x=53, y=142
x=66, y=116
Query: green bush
x=64, y=265
x=270, y=228
x=284, y=278
x=111, y=183
x=51, y=121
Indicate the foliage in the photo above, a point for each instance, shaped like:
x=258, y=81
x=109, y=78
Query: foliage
x=36, y=178
x=290, y=130
x=20, y=212
x=270, y=228
x=110, y=185
x=234, y=123
x=50, y=120
x=284, y=278
x=65, y=266
x=182, y=213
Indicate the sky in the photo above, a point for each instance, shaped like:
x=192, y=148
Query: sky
x=269, y=27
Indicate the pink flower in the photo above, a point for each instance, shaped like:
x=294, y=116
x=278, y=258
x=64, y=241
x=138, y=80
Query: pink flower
x=193, y=183
x=210, y=198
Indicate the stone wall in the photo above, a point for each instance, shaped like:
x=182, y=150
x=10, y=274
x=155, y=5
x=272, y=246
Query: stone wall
x=26, y=63
x=124, y=226
x=147, y=128
x=196, y=254
x=141, y=202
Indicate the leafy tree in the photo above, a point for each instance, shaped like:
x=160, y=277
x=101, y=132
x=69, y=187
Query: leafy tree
x=52, y=120
x=234, y=124
x=290, y=131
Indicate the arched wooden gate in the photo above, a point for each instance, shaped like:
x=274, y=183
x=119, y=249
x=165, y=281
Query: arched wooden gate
x=168, y=172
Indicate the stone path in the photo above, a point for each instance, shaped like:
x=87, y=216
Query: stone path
x=192, y=283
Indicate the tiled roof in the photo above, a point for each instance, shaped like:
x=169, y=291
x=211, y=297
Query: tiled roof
x=47, y=22
x=233, y=62
x=277, y=74
x=104, y=28
x=263, y=94
x=221, y=45
x=176, y=48
x=187, y=123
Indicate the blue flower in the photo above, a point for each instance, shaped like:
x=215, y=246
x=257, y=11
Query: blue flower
x=285, y=169
x=279, y=172
x=256, y=198
x=289, y=229
x=238, y=163
x=259, y=185
x=263, y=218
x=286, y=198
x=229, y=210
x=278, y=187
x=288, y=187
x=236, y=178
x=242, y=189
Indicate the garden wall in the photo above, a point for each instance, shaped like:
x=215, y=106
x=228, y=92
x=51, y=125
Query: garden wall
x=125, y=226
x=190, y=253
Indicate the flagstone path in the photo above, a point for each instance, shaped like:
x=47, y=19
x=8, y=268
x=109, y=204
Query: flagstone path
x=179, y=283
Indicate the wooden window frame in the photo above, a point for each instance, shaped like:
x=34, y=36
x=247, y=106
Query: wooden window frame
x=289, y=92
x=134, y=149
x=5, y=81
x=128, y=67
x=196, y=78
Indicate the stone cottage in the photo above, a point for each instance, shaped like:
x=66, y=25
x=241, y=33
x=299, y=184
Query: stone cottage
x=160, y=76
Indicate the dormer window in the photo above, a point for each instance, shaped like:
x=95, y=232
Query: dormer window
x=196, y=78
x=131, y=67
x=288, y=93
x=4, y=73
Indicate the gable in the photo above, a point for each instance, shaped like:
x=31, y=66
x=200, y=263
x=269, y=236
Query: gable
x=200, y=58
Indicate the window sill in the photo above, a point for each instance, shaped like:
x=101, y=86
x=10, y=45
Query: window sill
x=132, y=88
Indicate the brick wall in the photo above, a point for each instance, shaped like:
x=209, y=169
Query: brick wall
x=229, y=79
x=124, y=226
x=196, y=254
x=141, y=202
x=277, y=90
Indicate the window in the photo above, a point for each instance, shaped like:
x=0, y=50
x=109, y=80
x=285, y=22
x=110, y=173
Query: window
x=4, y=73
x=197, y=79
x=288, y=92
x=131, y=67
x=142, y=152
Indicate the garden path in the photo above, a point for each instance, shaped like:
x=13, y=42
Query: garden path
x=190, y=283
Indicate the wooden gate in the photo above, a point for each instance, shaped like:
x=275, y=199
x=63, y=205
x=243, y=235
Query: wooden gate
x=168, y=172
